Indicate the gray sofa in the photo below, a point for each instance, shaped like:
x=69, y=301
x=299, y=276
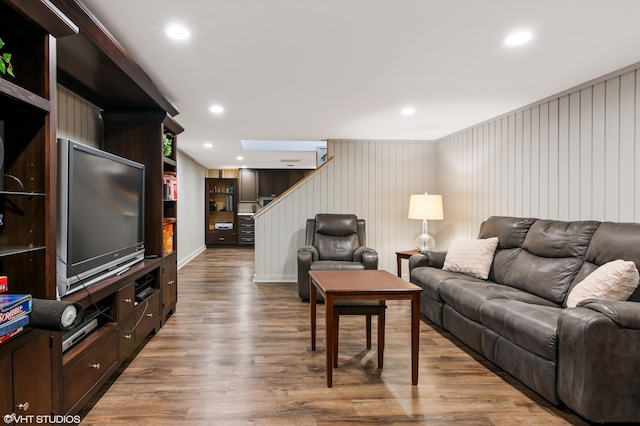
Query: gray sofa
x=585, y=357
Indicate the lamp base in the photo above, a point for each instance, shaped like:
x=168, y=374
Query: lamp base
x=425, y=242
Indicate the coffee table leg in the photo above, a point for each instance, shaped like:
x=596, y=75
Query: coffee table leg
x=329, y=325
x=381, y=325
x=312, y=303
x=415, y=336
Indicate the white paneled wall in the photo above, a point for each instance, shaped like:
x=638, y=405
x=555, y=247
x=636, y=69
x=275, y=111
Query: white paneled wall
x=573, y=156
x=371, y=179
x=78, y=119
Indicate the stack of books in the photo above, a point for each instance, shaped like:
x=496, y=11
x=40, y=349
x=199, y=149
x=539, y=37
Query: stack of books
x=14, y=314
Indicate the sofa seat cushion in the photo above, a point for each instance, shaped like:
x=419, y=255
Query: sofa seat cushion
x=430, y=279
x=322, y=265
x=467, y=296
x=532, y=327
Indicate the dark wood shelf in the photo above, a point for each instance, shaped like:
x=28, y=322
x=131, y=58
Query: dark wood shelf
x=17, y=93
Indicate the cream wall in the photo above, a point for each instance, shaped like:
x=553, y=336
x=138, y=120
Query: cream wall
x=571, y=156
x=372, y=179
x=191, y=208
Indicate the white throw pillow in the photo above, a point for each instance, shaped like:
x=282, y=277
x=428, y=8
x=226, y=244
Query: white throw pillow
x=615, y=280
x=472, y=257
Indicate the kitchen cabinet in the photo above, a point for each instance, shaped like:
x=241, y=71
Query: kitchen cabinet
x=248, y=185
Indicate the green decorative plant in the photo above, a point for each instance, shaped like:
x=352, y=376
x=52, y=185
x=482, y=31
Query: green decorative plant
x=5, y=62
x=167, y=145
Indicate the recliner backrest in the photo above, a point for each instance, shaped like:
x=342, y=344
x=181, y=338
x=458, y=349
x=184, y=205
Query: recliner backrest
x=336, y=236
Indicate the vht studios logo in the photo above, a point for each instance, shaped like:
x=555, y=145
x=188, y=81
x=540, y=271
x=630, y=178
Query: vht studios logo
x=45, y=419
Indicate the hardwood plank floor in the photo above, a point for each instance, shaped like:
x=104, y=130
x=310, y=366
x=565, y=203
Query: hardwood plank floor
x=237, y=352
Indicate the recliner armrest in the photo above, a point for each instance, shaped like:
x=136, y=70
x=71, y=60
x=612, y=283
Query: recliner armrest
x=434, y=259
x=305, y=251
x=367, y=256
x=625, y=314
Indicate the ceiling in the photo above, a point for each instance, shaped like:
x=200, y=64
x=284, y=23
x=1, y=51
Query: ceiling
x=299, y=70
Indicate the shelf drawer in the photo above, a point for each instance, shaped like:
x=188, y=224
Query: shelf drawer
x=147, y=316
x=83, y=375
x=246, y=241
x=126, y=298
x=222, y=238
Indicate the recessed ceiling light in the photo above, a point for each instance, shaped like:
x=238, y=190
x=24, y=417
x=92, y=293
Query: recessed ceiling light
x=408, y=111
x=239, y=158
x=216, y=109
x=177, y=32
x=518, y=37
x=208, y=145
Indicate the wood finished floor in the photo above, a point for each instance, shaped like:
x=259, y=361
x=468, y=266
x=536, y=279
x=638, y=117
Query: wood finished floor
x=237, y=352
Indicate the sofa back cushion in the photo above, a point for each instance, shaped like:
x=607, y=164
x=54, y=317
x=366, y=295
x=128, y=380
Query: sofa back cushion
x=552, y=255
x=612, y=241
x=511, y=232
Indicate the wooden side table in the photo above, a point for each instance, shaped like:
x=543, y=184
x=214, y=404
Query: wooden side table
x=404, y=255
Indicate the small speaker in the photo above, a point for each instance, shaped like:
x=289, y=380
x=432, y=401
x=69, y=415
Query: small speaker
x=1, y=155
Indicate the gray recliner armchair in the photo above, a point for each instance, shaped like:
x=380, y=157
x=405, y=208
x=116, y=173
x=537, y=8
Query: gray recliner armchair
x=333, y=241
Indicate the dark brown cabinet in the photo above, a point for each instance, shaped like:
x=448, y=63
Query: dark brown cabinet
x=27, y=371
x=255, y=183
x=272, y=183
x=169, y=285
x=246, y=230
x=221, y=204
x=248, y=185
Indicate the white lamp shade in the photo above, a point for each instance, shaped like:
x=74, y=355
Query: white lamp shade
x=426, y=206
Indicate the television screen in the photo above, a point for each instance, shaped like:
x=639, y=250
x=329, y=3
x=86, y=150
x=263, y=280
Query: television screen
x=101, y=214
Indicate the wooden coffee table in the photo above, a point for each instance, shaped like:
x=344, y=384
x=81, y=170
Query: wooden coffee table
x=362, y=285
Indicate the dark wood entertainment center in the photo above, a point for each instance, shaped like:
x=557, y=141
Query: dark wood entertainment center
x=58, y=42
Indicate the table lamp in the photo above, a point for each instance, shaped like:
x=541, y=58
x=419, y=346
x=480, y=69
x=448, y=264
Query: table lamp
x=426, y=207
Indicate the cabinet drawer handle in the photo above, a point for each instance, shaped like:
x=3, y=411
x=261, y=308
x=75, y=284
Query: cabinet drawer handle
x=128, y=300
x=150, y=314
x=220, y=238
x=127, y=336
x=171, y=282
x=95, y=366
x=23, y=407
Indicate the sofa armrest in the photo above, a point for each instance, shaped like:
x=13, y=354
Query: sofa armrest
x=367, y=256
x=434, y=259
x=625, y=314
x=598, y=360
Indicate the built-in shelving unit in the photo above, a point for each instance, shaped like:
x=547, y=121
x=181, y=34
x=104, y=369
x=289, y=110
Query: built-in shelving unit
x=50, y=41
x=221, y=204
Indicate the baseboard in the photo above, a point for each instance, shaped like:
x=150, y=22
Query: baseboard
x=190, y=257
x=275, y=278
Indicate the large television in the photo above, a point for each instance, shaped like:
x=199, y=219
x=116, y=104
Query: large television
x=100, y=215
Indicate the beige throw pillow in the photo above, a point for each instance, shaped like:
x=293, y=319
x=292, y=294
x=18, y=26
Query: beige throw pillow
x=615, y=280
x=473, y=257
